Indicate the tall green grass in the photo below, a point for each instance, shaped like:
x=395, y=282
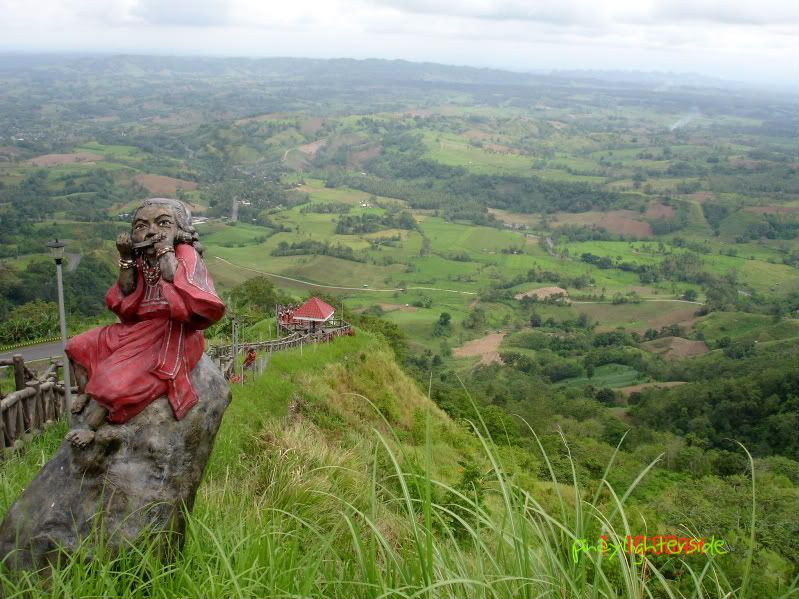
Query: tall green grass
x=313, y=519
x=313, y=490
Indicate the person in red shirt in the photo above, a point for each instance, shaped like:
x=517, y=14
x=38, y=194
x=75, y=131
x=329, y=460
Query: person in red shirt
x=249, y=361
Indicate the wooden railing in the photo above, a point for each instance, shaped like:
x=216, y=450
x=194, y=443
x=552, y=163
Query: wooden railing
x=224, y=358
x=37, y=402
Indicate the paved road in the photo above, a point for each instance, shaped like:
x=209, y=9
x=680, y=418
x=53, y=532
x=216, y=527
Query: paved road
x=36, y=352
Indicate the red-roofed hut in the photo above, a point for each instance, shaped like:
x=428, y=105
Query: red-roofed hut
x=312, y=312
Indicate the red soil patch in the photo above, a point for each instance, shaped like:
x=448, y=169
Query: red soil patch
x=358, y=158
x=660, y=211
x=676, y=347
x=484, y=137
x=163, y=185
x=626, y=391
x=348, y=139
x=515, y=218
x=624, y=222
x=311, y=126
x=678, y=316
x=542, y=293
x=683, y=348
x=773, y=209
x=312, y=148
x=486, y=347
x=61, y=159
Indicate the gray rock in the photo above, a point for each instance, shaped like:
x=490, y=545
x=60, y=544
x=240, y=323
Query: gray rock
x=134, y=479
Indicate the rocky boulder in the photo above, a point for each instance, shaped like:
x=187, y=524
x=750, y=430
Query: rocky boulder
x=135, y=478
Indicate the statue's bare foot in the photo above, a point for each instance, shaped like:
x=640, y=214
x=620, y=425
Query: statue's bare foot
x=80, y=437
x=79, y=402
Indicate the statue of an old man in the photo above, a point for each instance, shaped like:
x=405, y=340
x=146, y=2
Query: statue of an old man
x=149, y=409
x=163, y=298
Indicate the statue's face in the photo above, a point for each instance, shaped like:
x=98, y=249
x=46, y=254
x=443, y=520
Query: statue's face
x=152, y=220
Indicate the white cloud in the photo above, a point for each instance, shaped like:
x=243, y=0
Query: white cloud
x=762, y=12
x=500, y=10
x=732, y=38
x=192, y=13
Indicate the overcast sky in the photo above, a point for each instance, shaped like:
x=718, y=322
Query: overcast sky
x=747, y=40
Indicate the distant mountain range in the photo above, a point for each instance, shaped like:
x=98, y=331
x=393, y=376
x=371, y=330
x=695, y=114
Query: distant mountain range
x=327, y=69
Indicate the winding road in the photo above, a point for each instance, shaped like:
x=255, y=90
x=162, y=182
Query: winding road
x=31, y=353
x=365, y=289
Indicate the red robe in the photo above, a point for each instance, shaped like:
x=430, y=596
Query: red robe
x=154, y=348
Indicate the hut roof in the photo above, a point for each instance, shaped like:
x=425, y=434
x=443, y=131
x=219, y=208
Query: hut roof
x=314, y=309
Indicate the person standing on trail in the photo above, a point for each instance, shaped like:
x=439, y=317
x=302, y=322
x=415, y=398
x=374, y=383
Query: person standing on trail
x=249, y=361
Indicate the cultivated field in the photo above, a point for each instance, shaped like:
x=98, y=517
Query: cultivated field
x=61, y=159
x=159, y=184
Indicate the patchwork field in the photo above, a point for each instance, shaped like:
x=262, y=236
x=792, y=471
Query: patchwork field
x=623, y=222
x=652, y=314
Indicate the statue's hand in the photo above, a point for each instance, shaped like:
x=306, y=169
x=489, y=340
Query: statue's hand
x=165, y=240
x=125, y=246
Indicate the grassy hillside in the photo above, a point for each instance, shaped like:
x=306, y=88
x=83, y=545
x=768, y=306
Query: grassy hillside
x=333, y=475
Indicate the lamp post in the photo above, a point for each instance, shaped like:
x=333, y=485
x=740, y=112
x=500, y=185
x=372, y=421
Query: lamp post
x=57, y=253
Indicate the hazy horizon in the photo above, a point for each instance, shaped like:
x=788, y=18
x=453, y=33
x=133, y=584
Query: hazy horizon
x=608, y=74
x=733, y=41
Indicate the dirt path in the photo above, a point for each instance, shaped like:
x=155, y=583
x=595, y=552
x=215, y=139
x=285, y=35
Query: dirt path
x=645, y=299
x=486, y=347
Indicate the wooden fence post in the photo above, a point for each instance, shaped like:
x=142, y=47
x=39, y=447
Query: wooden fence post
x=19, y=372
x=2, y=431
